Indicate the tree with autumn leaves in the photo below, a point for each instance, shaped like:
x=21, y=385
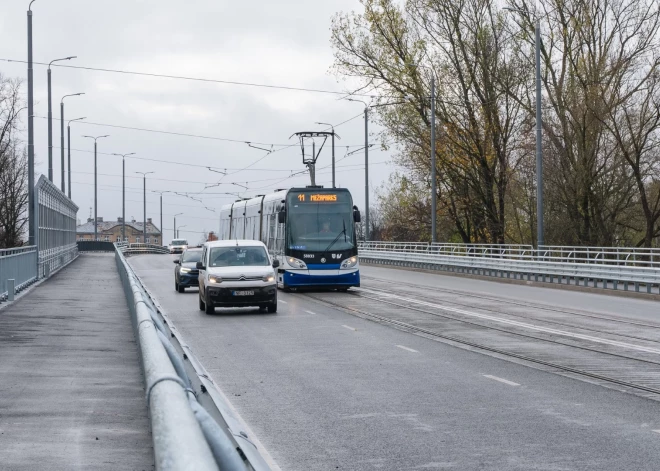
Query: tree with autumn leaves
x=601, y=116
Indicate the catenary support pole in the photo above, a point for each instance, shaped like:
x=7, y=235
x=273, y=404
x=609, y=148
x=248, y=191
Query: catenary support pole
x=434, y=197
x=366, y=173
x=539, y=136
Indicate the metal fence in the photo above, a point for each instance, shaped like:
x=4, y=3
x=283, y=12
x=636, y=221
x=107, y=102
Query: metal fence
x=616, y=268
x=56, y=224
x=18, y=265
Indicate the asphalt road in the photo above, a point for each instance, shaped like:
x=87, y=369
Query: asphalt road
x=323, y=389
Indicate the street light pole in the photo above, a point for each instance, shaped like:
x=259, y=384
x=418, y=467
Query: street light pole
x=174, y=234
x=366, y=173
x=68, y=146
x=50, y=119
x=178, y=232
x=123, y=194
x=144, y=207
x=96, y=219
x=31, y=216
x=62, y=133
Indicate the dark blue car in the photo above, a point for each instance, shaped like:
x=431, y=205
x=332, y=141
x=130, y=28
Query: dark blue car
x=185, y=272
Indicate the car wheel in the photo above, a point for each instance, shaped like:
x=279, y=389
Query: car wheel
x=272, y=308
x=176, y=286
x=201, y=303
x=181, y=289
x=209, y=308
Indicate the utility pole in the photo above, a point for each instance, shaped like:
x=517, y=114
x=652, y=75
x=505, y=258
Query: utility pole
x=31, y=210
x=68, y=146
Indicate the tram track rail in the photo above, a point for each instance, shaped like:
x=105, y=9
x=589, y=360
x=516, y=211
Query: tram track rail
x=608, y=368
x=540, y=307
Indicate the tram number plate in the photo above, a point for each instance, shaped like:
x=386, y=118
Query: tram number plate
x=243, y=293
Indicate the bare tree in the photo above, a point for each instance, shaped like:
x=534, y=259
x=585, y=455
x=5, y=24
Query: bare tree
x=13, y=167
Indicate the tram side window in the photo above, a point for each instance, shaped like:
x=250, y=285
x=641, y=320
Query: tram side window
x=271, y=231
x=279, y=243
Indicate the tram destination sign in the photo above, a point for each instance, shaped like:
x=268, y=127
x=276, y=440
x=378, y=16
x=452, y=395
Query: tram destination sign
x=319, y=198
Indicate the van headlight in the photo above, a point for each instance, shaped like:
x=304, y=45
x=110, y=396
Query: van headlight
x=296, y=263
x=349, y=263
x=215, y=279
x=269, y=278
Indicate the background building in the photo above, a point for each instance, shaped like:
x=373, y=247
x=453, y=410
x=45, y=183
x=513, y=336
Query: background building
x=110, y=231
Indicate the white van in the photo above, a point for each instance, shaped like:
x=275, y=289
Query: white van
x=235, y=273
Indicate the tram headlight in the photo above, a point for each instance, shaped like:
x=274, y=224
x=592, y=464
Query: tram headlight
x=296, y=263
x=349, y=263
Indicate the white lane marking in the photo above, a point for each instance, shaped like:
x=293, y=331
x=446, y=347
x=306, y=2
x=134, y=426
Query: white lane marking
x=348, y=327
x=407, y=349
x=283, y=302
x=517, y=323
x=310, y=312
x=502, y=380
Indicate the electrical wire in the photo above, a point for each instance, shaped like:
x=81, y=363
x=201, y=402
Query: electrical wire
x=195, y=79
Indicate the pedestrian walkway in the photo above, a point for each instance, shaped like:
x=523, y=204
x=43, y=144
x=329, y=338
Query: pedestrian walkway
x=71, y=389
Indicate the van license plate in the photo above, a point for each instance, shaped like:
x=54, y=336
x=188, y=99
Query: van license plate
x=243, y=293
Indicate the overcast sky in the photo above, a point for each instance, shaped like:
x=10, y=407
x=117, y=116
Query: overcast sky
x=284, y=42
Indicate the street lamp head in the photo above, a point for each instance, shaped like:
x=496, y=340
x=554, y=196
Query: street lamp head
x=72, y=94
x=30, y=6
x=62, y=59
x=77, y=119
x=97, y=137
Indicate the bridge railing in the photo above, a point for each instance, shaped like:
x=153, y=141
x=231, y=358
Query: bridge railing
x=56, y=227
x=609, y=267
x=19, y=265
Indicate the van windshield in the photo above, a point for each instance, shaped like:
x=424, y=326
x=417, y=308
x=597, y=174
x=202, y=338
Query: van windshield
x=238, y=257
x=179, y=242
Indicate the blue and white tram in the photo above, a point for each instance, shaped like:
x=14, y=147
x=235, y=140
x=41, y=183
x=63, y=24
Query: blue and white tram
x=311, y=231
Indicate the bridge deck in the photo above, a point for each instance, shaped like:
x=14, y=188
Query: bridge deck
x=71, y=391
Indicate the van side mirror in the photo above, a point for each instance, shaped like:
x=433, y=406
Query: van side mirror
x=200, y=266
x=276, y=263
x=281, y=217
x=356, y=215
x=176, y=261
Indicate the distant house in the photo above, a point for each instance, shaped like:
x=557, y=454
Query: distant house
x=110, y=231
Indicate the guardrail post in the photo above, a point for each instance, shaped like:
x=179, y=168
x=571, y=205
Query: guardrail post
x=46, y=270
x=11, y=289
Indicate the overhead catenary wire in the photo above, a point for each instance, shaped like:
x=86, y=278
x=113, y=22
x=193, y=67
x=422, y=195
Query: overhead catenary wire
x=194, y=79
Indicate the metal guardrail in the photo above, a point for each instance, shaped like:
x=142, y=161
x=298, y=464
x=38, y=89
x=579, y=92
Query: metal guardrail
x=606, y=267
x=19, y=265
x=135, y=249
x=185, y=434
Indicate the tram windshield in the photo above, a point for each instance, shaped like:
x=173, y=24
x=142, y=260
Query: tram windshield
x=320, y=222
